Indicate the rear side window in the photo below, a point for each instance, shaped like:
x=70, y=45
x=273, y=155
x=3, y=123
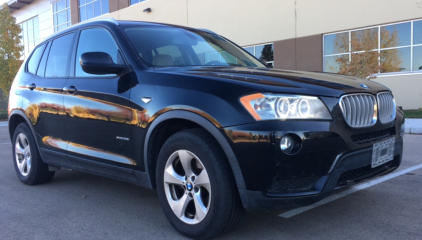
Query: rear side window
x=96, y=40
x=43, y=62
x=35, y=59
x=58, y=59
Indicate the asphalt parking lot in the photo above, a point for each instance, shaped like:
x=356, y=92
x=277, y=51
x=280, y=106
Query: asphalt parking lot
x=76, y=205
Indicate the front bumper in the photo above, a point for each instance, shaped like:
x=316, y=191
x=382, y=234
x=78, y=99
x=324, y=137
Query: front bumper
x=325, y=185
x=332, y=156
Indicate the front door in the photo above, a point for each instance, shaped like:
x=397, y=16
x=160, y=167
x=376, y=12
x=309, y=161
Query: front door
x=98, y=114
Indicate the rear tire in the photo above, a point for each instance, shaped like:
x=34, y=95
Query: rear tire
x=29, y=166
x=205, y=185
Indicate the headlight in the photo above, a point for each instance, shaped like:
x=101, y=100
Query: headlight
x=283, y=106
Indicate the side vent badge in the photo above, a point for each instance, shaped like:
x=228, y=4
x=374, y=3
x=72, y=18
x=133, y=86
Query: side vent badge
x=122, y=138
x=146, y=99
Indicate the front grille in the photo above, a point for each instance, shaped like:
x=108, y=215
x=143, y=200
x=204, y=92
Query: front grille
x=359, y=110
x=359, y=174
x=386, y=106
x=363, y=137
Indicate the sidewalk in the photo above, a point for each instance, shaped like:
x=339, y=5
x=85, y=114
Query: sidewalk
x=413, y=125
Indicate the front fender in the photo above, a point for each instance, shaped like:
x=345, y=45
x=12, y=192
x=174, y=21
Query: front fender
x=207, y=125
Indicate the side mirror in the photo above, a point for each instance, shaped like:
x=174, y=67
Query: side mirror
x=99, y=63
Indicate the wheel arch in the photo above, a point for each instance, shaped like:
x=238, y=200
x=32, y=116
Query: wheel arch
x=15, y=118
x=200, y=121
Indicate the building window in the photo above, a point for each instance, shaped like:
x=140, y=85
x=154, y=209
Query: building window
x=135, y=1
x=263, y=52
x=61, y=15
x=92, y=8
x=30, y=35
x=392, y=48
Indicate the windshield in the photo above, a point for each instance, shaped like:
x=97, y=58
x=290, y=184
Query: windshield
x=165, y=46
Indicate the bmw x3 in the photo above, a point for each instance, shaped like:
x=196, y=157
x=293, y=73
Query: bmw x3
x=189, y=113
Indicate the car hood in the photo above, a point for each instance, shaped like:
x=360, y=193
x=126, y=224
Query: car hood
x=286, y=81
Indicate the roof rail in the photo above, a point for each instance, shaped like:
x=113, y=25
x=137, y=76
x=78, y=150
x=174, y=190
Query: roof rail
x=112, y=20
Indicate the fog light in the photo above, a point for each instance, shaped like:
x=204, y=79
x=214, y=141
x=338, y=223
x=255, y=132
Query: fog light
x=287, y=144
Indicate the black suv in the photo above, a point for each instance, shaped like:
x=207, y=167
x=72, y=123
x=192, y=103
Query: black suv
x=191, y=114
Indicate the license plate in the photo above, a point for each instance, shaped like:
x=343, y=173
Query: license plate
x=383, y=152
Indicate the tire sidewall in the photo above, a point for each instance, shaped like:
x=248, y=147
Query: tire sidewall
x=207, y=157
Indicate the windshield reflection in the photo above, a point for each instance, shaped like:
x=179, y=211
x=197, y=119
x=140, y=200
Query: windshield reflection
x=165, y=46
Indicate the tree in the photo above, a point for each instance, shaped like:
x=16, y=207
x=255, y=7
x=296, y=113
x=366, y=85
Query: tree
x=10, y=49
x=390, y=59
x=267, y=53
x=364, y=62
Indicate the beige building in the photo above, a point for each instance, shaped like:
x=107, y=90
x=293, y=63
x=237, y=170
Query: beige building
x=321, y=35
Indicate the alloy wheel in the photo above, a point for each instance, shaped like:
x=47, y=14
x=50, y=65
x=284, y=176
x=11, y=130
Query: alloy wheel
x=187, y=187
x=23, y=154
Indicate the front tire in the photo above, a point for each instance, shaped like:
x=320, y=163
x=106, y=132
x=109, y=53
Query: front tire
x=195, y=188
x=29, y=166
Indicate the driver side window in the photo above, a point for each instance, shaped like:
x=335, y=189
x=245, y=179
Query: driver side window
x=96, y=40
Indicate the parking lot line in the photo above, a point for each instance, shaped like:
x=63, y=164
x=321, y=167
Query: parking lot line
x=4, y=143
x=351, y=190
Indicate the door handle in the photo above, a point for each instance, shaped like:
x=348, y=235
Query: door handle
x=31, y=86
x=70, y=89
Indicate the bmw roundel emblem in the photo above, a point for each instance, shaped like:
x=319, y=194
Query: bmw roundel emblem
x=364, y=86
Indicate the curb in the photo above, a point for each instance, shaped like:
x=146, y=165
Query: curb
x=413, y=125
x=416, y=130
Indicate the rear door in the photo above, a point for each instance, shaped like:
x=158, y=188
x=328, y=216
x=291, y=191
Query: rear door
x=43, y=100
x=98, y=114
